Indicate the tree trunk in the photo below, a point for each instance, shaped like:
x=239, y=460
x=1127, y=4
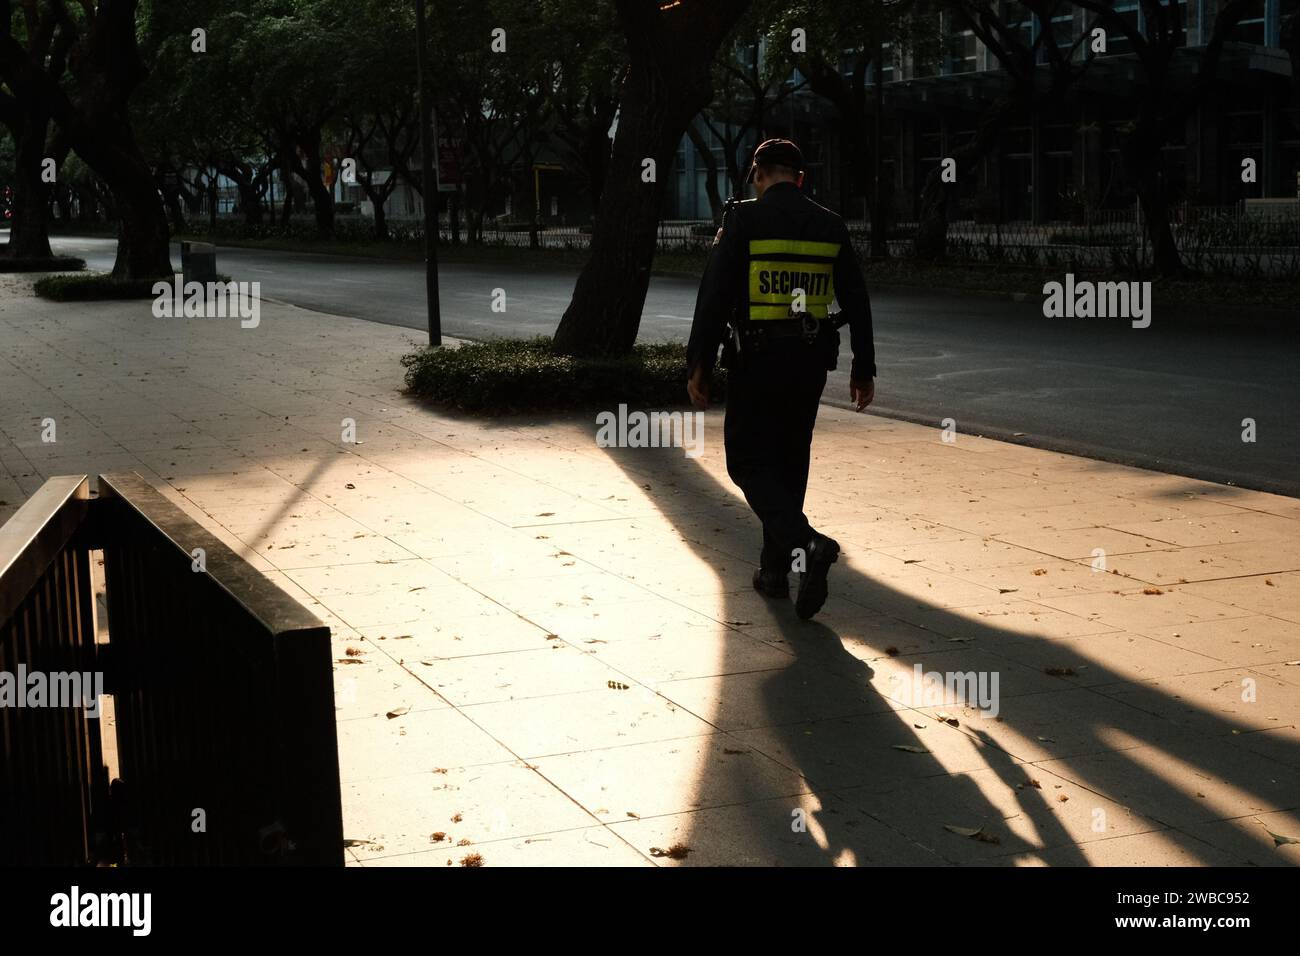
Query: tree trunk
x=597, y=159
x=63, y=199
x=309, y=170
x=931, y=241
x=143, y=240
x=172, y=201
x=106, y=68
x=29, y=233
x=711, y=171
x=1155, y=210
x=87, y=207
x=1145, y=159
x=734, y=176
x=250, y=203
x=378, y=199
x=668, y=83
x=286, y=181
x=213, y=201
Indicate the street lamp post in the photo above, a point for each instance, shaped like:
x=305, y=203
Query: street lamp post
x=430, y=187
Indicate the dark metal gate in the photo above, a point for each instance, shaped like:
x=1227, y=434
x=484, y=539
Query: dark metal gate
x=221, y=687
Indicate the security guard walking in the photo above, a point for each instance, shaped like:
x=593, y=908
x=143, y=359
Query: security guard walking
x=778, y=263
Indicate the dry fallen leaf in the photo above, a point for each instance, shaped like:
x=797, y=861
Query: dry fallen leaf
x=910, y=749
x=677, y=851
x=1280, y=839
x=973, y=833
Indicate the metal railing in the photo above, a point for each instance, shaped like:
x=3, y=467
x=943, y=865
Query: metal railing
x=221, y=687
x=53, y=790
x=1242, y=240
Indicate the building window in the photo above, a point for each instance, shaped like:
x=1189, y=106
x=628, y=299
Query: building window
x=1252, y=27
x=966, y=58
x=1117, y=42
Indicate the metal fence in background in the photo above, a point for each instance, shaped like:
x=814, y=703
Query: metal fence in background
x=1242, y=240
x=1255, y=238
x=1231, y=241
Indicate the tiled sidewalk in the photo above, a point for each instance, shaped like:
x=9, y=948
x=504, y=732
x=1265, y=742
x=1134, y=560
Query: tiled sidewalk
x=584, y=676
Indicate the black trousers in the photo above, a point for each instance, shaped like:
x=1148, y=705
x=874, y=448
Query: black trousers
x=772, y=403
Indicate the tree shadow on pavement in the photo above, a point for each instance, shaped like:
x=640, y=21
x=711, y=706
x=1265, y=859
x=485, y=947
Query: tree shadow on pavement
x=1063, y=763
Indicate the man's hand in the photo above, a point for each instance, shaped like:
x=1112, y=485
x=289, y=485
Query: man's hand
x=862, y=393
x=697, y=387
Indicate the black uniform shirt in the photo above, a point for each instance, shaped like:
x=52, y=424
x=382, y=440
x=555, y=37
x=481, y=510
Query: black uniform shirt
x=784, y=212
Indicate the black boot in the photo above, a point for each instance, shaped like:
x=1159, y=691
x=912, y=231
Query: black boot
x=820, y=553
x=771, y=584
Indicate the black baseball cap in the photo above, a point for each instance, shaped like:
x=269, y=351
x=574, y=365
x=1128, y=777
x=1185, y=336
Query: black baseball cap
x=776, y=152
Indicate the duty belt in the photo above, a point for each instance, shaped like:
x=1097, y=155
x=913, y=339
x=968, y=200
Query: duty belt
x=754, y=337
x=792, y=328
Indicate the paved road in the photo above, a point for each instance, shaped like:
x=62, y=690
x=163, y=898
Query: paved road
x=1167, y=398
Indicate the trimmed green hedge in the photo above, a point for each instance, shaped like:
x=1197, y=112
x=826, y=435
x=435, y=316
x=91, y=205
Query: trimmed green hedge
x=506, y=376
x=51, y=264
x=97, y=285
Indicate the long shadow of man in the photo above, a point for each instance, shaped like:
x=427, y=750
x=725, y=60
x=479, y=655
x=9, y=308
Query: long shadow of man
x=824, y=716
x=828, y=716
